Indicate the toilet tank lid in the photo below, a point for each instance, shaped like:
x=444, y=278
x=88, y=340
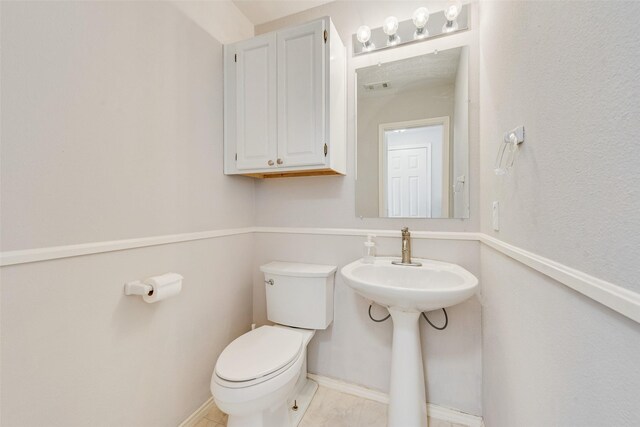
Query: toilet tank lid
x=296, y=269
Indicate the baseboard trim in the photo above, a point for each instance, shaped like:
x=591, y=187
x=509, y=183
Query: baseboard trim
x=434, y=411
x=356, y=390
x=203, y=410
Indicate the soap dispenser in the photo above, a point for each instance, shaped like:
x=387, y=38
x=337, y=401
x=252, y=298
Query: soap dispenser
x=369, y=250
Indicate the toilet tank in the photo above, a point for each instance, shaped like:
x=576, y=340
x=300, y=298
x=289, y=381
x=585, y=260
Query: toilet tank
x=299, y=295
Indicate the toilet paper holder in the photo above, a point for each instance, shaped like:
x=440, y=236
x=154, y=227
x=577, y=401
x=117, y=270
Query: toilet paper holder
x=156, y=288
x=137, y=287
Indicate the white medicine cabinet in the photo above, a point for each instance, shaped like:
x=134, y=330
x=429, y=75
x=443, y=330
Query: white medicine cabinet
x=285, y=103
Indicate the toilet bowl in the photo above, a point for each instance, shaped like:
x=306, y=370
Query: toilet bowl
x=257, y=374
x=263, y=372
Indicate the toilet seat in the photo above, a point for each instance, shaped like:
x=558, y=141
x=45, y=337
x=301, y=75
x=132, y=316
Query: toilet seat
x=258, y=356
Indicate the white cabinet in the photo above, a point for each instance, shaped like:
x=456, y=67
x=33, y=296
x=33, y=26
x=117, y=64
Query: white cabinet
x=285, y=103
x=301, y=80
x=256, y=102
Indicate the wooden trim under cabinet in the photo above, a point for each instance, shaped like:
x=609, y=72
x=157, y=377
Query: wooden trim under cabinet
x=315, y=172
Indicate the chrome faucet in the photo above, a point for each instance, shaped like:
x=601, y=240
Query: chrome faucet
x=406, y=250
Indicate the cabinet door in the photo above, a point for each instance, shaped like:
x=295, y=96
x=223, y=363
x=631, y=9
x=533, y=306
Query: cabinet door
x=256, y=103
x=301, y=95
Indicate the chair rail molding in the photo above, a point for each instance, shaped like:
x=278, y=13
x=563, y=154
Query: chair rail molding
x=57, y=252
x=617, y=298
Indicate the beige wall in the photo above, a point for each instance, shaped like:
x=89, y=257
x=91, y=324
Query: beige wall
x=569, y=73
x=574, y=88
x=112, y=129
x=108, y=120
x=220, y=18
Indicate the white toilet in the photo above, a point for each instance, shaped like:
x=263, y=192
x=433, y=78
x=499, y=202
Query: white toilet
x=262, y=375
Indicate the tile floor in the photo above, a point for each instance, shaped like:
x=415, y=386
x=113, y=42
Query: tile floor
x=334, y=409
x=214, y=418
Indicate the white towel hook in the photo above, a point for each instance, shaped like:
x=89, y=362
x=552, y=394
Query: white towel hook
x=510, y=143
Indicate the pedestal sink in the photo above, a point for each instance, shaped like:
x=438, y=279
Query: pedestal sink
x=407, y=291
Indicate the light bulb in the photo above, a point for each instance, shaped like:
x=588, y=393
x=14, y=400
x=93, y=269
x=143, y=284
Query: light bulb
x=420, y=17
x=363, y=34
x=452, y=10
x=390, y=26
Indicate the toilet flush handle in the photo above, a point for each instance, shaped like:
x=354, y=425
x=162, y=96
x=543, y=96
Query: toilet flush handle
x=269, y=282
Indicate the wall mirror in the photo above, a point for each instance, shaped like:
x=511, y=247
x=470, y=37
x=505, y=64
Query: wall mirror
x=413, y=137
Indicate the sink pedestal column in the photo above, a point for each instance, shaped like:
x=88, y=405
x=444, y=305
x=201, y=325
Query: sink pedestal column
x=407, y=400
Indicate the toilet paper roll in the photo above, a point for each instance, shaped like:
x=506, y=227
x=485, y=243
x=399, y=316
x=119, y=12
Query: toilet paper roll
x=164, y=286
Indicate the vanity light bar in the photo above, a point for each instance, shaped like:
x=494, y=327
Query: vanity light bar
x=422, y=26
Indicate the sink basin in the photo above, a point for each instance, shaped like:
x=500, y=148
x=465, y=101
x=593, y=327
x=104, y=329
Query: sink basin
x=407, y=291
x=433, y=285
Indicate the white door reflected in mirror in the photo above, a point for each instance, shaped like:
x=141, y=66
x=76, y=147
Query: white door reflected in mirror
x=408, y=182
x=414, y=169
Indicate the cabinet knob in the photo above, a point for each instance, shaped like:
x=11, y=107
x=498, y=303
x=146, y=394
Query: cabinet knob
x=270, y=162
x=280, y=161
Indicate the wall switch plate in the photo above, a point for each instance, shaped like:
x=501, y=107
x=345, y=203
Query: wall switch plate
x=495, y=216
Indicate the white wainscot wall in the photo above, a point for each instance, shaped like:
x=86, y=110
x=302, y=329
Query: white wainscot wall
x=77, y=351
x=537, y=314
x=552, y=356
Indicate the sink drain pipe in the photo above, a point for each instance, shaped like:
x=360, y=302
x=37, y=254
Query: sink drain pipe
x=440, y=328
